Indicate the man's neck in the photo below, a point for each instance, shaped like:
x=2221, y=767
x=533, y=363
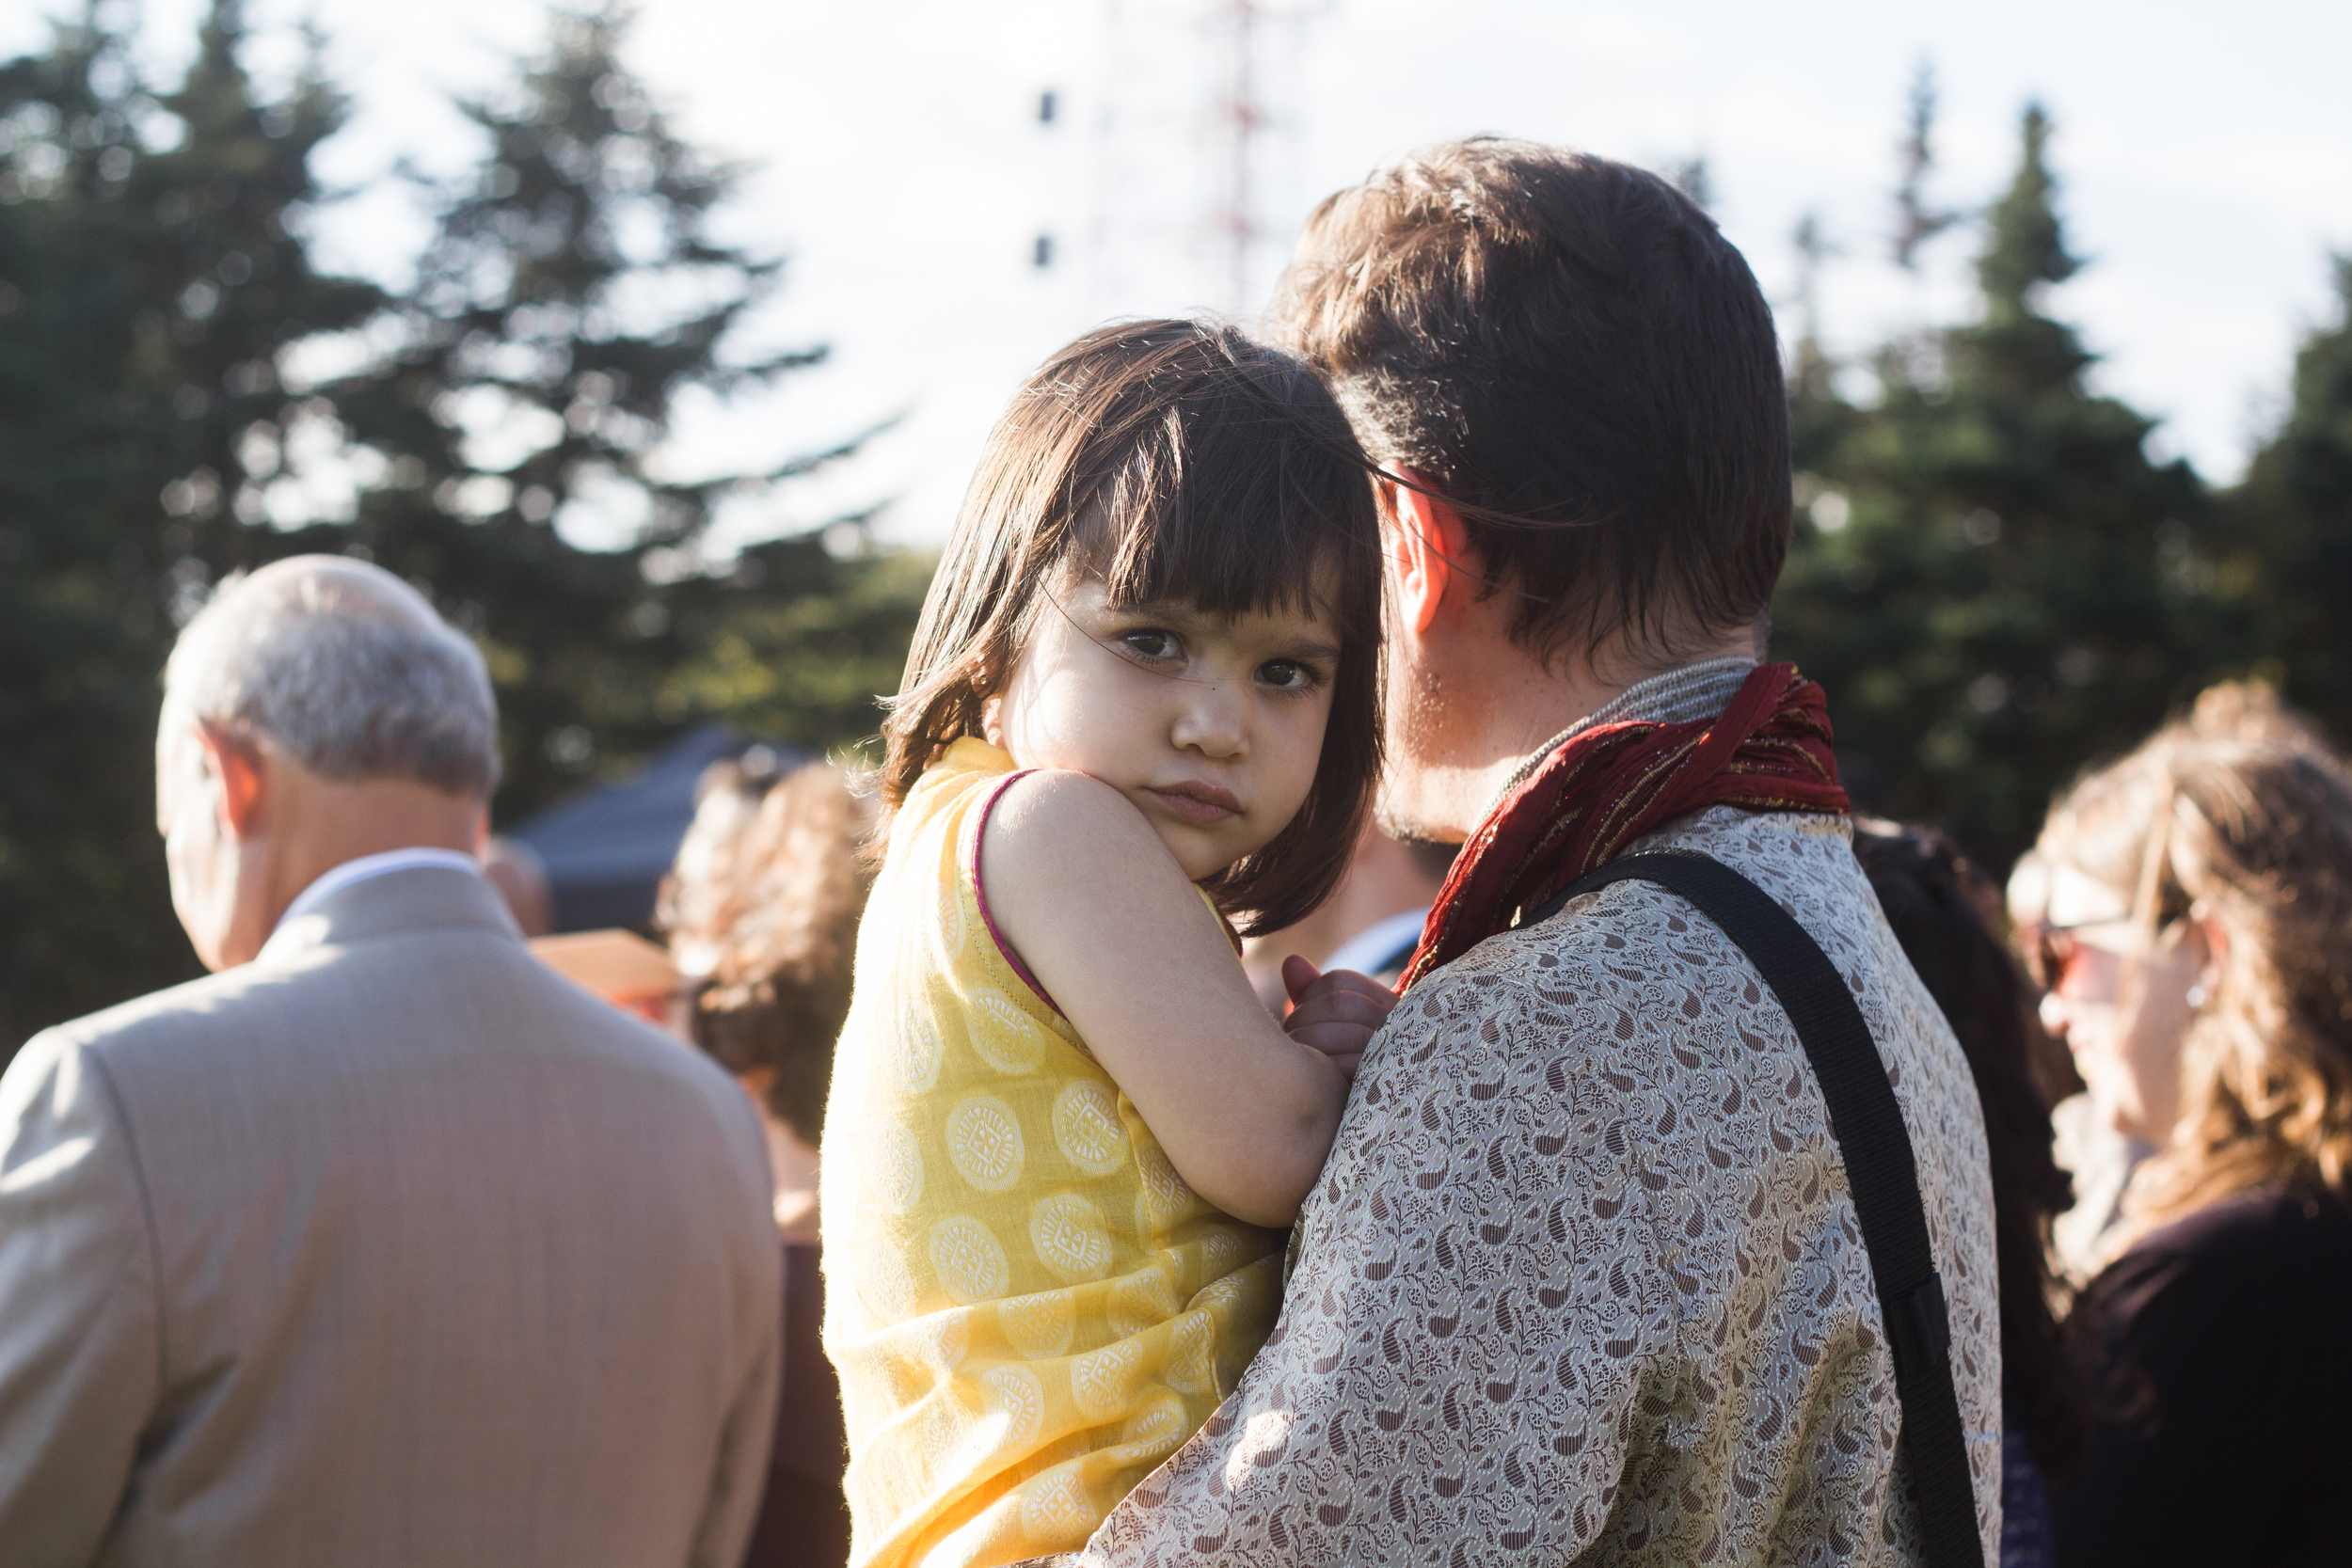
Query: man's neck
x=1521, y=709
x=349, y=821
x=318, y=825
x=1491, y=744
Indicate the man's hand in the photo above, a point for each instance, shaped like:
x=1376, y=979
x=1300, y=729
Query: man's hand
x=1336, y=1013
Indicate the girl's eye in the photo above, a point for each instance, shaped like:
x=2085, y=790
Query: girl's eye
x=1152, y=644
x=1286, y=675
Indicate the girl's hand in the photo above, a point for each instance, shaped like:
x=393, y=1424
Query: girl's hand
x=1337, y=1013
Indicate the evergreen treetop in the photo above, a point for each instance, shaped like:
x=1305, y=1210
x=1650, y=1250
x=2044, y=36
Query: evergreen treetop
x=1995, y=582
x=2025, y=353
x=572, y=294
x=161, y=425
x=2290, y=569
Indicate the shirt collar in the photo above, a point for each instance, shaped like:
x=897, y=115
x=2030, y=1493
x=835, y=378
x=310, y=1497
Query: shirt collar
x=1678, y=696
x=367, y=866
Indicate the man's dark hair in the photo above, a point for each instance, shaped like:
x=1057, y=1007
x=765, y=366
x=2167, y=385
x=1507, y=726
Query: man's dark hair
x=1571, y=352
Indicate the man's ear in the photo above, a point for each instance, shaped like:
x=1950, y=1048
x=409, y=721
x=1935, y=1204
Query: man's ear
x=1429, y=548
x=235, y=760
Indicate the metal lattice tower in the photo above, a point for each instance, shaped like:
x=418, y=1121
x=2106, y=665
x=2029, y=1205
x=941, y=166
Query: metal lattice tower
x=1182, y=147
x=1241, y=121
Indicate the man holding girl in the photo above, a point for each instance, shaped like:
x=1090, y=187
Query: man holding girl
x=1581, y=1277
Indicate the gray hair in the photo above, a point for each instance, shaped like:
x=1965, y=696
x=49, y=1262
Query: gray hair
x=346, y=667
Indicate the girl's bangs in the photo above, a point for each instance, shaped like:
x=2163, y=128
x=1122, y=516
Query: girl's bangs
x=1161, y=527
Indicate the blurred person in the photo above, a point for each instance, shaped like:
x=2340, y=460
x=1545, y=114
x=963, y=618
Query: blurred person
x=383, y=1245
x=1581, y=1277
x=2098, y=1159
x=520, y=876
x=2201, y=972
x=2095, y=1144
x=1938, y=905
x=2020, y=908
x=1371, y=924
x=761, y=912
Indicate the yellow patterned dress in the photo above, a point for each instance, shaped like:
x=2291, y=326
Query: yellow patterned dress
x=1028, y=1308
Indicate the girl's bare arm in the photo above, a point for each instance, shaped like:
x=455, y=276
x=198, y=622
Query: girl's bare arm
x=1082, y=888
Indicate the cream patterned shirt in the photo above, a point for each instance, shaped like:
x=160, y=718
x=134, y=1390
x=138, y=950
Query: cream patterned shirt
x=1582, y=1280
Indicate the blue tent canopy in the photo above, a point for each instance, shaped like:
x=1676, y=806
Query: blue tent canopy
x=606, y=847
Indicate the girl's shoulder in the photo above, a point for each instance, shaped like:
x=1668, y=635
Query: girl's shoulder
x=945, y=851
x=967, y=774
x=2264, y=1228
x=930, y=907
x=2253, y=1258
x=935, y=836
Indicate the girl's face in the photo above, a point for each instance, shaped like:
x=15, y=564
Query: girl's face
x=1211, y=724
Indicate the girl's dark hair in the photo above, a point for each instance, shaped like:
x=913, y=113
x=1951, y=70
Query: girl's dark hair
x=1172, y=461
x=1940, y=908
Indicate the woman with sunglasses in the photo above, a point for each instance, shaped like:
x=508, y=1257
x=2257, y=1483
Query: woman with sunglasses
x=2197, y=948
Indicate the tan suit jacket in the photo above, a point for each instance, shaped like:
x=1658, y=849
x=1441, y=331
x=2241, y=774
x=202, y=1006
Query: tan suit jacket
x=389, y=1248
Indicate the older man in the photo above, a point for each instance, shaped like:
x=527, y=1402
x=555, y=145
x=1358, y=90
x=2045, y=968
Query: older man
x=383, y=1245
x=1583, y=1280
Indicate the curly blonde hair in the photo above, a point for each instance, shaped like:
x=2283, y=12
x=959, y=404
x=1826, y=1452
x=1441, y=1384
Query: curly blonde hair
x=762, y=912
x=2254, y=831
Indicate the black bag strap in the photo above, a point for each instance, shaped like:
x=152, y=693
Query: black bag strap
x=1880, y=1170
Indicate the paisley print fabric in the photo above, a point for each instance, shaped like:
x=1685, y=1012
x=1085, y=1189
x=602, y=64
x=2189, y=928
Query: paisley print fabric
x=1029, y=1307
x=1582, y=1280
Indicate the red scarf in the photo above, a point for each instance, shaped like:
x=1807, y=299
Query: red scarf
x=1609, y=784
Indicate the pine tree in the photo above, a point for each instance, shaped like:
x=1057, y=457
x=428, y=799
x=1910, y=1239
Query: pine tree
x=1916, y=221
x=573, y=294
x=2290, y=568
x=1819, y=419
x=161, y=425
x=1992, y=580
x=149, y=281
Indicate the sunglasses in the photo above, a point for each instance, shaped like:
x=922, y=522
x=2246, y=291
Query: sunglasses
x=2055, y=949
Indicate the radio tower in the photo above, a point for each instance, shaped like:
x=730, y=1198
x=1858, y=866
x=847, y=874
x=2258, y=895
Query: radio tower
x=1183, y=145
x=1241, y=120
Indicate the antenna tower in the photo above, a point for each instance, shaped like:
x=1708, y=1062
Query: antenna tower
x=1184, y=143
x=1241, y=121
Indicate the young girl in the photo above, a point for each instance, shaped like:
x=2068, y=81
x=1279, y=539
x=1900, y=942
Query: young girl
x=1063, y=1132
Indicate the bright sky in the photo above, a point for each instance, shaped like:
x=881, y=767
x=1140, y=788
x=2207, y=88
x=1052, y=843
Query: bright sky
x=2206, y=154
